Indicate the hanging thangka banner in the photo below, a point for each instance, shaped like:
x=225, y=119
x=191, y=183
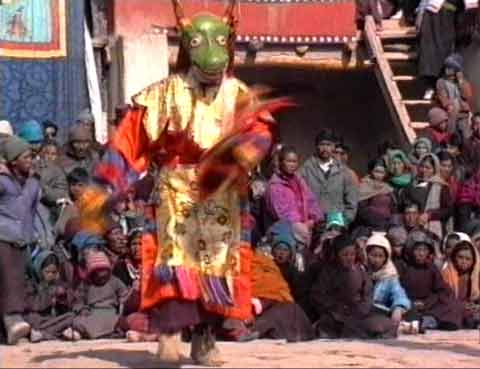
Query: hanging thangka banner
x=33, y=29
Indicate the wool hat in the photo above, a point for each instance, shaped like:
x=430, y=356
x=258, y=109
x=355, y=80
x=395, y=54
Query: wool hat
x=326, y=135
x=6, y=128
x=14, y=147
x=31, y=131
x=85, y=116
x=96, y=260
x=397, y=235
x=361, y=232
x=281, y=234
x=84, y=240
x=426, y=141
x=419, y=237
x=78, y=132
x=379, y=239
x=437, y=115
x=454, y=61
x=341, y=242
x=335, y=218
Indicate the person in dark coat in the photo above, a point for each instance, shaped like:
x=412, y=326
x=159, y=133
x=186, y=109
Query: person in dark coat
x=471, y=147
x=49, y=301
x=277, y=316
x=343, y=298
x=19, y=197
x=376, y=201
x=430, y=192
x=437, y=31
x=100, y=298
x=432, y=299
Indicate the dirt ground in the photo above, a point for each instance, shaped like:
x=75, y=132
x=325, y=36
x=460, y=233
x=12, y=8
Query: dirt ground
x=434, y=350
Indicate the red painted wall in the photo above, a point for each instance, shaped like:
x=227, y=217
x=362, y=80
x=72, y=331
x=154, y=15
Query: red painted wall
x=134, y=17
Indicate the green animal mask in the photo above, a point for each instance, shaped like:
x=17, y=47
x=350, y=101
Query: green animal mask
x=206, y=39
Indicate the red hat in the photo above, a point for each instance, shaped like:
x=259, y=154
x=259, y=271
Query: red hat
x=96, y=260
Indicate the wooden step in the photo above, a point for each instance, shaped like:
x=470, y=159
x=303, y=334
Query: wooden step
x=404, y=78
x=401, y=56
x=417, y=102
x=419, y=125
x=405, y=32
x=405, y=48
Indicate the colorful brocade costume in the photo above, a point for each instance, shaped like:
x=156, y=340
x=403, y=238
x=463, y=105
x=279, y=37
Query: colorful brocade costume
x=199, y=242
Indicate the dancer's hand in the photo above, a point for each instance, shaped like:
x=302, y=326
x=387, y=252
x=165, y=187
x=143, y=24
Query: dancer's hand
x=257, y=306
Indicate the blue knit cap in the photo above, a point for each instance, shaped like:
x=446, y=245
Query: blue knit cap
x=281, y=233
x=31, y=131
x=454, y=61
x=84, y=240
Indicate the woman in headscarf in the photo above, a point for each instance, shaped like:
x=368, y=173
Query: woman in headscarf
x=462, y=274
x=342, y=297
x=432, y=299
x=376, y=202
x=399, y=170
x=388, y=294
x=421, y=147
x=430, y=192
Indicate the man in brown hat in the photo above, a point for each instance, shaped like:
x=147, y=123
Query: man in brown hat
x=78, y=151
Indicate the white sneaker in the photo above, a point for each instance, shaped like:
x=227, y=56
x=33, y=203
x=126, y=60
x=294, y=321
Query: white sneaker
x=429, y=94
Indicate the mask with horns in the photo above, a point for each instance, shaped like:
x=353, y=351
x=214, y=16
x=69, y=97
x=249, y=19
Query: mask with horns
x=206, y=43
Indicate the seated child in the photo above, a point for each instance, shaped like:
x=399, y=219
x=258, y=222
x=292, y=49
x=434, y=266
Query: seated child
x=49, y=301
x=388, y=294
x=100, y=298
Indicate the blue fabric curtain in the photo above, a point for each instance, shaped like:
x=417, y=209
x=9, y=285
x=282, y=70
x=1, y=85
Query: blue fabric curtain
x=54, y=89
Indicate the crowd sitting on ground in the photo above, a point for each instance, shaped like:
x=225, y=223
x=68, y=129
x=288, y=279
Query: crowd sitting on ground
x=335, y=256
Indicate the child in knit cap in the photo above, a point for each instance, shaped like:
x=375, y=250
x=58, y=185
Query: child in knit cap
x=101, y=298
